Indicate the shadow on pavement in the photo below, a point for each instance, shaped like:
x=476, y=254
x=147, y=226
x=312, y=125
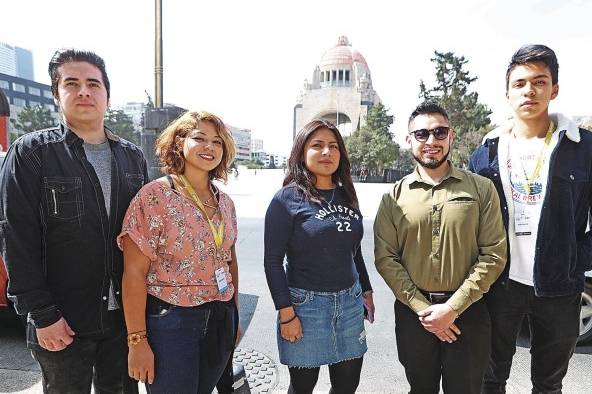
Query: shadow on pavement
x=18, y=370
x=248, y=305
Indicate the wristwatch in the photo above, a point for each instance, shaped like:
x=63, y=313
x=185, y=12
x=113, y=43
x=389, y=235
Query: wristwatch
x=135, y=338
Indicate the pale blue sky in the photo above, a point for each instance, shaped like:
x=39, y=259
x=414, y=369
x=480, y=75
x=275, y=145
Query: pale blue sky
x=246, y=60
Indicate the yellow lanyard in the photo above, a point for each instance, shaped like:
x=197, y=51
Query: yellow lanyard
x=540, y=159
x=218, y=233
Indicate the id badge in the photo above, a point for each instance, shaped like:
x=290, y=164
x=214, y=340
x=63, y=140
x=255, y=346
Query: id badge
x=221, y=280
x=523, y=220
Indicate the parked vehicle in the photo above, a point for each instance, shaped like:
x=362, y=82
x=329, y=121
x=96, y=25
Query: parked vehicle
x=586, y=313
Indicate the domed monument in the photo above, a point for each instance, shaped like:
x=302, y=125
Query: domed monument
x=340, y=92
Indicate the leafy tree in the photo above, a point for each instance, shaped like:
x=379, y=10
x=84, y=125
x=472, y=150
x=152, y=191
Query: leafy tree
x=405, y=162
x=372, y=146
x=122, y=124
x=31, y=119
x=469, y=118
x=251, y=164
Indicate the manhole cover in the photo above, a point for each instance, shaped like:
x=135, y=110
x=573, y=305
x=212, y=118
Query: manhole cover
x=262, y=374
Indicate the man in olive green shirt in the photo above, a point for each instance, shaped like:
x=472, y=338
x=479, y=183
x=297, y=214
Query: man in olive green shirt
x=439, y=243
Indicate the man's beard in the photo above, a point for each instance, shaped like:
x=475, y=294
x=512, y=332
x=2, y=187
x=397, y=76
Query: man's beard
x=431, y=163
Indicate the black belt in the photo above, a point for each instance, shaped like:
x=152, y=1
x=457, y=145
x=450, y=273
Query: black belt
x=437, y=297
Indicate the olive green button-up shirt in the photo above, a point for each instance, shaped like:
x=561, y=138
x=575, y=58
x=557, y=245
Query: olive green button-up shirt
x=440, y=237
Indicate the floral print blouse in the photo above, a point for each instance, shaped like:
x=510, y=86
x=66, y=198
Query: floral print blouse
x=176, y=236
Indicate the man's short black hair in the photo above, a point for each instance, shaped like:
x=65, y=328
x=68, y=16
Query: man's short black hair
x=68, y=55
x=534, y=53
x=428, y=107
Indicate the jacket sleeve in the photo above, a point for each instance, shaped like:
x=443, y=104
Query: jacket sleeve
x=144, y=167
x=584, y=245
x=277, y=234
x=492, y=256
x=20, y=222
x=387, y=258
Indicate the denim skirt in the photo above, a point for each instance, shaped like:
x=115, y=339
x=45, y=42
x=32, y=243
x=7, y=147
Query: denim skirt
x=332, y=327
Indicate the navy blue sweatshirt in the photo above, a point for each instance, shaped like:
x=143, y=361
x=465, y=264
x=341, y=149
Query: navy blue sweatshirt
x=321, y=243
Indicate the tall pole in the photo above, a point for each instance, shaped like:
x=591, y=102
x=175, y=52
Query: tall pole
x=158, y=70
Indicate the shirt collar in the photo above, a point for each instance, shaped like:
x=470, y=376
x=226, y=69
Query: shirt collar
x=72, y=137
x=453, y=172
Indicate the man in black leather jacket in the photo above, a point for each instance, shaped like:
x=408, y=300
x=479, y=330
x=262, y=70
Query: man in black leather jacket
x=64, y=192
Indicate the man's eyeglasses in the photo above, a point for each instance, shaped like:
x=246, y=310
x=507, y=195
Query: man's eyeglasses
x=440, y=133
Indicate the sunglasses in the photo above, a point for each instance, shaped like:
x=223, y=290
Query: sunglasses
x=439, y=133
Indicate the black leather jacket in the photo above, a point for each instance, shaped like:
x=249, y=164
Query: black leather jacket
x=56, y=238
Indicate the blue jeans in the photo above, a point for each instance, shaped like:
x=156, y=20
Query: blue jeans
x=191, y=345
x=101, y=362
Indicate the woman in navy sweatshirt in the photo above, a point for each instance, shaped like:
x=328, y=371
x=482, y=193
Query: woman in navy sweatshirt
x=315, y=223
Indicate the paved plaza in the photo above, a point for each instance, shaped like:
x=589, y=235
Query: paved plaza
x=251, y=191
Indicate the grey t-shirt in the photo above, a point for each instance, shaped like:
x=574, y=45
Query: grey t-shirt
x=99, y=156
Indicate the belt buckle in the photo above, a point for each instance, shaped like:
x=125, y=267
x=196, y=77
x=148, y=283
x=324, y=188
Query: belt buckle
x=438, y=298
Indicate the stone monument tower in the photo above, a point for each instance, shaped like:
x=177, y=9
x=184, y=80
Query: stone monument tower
x=341, y=90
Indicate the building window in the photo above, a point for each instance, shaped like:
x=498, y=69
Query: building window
x=19, y=102
x=4, y=84
x=34, y=91
x=346, y=75
x=47, y=94
x=49, y=107
x=33, y=104
x=333, y=77
x=17, y=87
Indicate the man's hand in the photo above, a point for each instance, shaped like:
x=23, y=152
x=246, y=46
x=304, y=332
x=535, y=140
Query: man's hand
x=437, y=317
x=448, y=335
x=55, y=337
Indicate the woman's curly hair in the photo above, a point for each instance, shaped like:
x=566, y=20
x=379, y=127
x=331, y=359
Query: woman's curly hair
x=169, y=145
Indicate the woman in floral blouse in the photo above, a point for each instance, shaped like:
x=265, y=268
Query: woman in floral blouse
x=180, y=280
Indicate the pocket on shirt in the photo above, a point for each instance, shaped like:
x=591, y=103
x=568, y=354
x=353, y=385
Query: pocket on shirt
x=63, y=196
x=462, y=201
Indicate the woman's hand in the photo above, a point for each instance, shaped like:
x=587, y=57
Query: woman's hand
x=140, y=362
x=369, y=305
x=291, y=331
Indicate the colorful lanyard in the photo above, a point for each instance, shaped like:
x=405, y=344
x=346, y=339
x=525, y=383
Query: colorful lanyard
x=540, y=159
x=218, y=233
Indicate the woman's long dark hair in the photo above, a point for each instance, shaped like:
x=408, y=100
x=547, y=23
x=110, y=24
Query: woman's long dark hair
x=304, y=179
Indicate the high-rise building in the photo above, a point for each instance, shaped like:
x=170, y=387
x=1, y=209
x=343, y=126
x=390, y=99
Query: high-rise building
x=256, y=145
x=24, y=63
x=21, y=93
x=136, y=112
x=242, y=142
x=16, y=61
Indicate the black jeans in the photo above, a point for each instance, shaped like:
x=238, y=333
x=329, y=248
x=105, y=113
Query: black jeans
x=100, y=362
x=554, y=329
x=426, y=359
